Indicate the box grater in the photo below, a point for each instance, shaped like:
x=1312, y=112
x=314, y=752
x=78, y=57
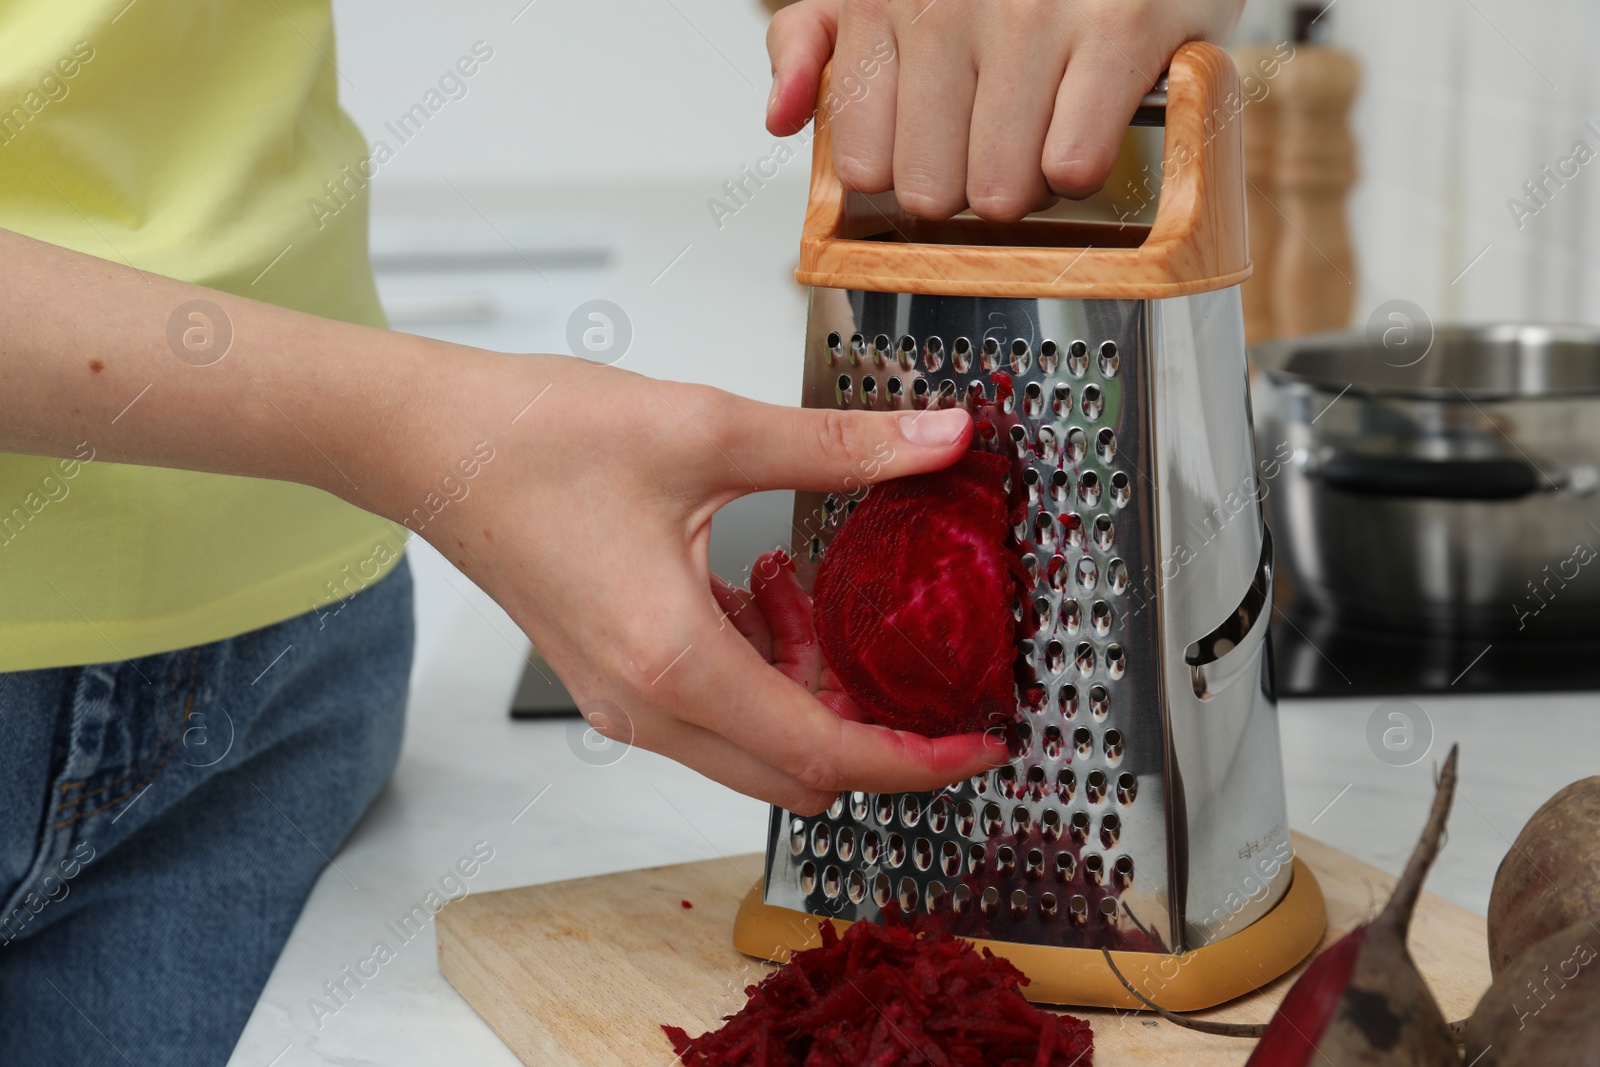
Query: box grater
x=1143, y=809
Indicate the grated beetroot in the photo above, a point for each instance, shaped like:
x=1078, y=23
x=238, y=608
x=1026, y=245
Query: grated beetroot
x=914, y=596
x=891, y=995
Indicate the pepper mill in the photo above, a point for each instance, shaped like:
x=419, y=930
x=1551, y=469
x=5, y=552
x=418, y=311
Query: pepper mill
x=1260, y=118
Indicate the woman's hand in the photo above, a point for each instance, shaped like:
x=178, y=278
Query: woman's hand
x=590, y=526
x=1000, y=105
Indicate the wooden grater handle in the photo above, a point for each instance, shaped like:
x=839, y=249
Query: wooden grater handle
x=1197, y=242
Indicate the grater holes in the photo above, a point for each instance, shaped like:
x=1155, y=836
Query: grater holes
x=1050, y=825
x=1093, y=402
x=858, y=807
x=919, y=393
x=947, y=393
x=1030, y=481
x=871, y=847
x=1088, y=574
x=1055, y=657
x=844, y=844
x=1105, y=445
x=961, y=900
x=1036, y=777
x=1116, y=661
x=1094, y=866
x=950, y=858
x=1024, y=733
x=821, y=840
x=1049, y=906
x=1032, y=400
x=1127, y=788
x=935, y=898
x=835, y=347
x=922, y=854
x=1101, y=618
x=966, y=819
x=1019, y=904
x=1124, y=871
x=1078, y=359
x=1083, y=741
x=1088, y=484
x=989, y=355
x=1019, y=441
x=1078, y=827
x=881, y=890
x=1048, y=445
x=939, y=815
x=1049, y=357
x=844, y=391
x=814, y=549
x=869, y=392
x=1108, y=910
x=896, y=853
x=910, y=811
x=1099, y=702
x=1105, y=533
x=1066, y=784
x=989, y=900
x=933, y=354
x=1072, y=525
x=1109, y=360
x=1117, y=576
x=1005, y=859
x=1078, y=910
x=832, y=882
x=880, y=349
x=858, y=348
x=991, y=820
x=961, y=355
x=1041, y=612
x=836, y=809
x=808, y=877
x=1021, y=821
x=1110, y=829
x=1052, y=744
x=1033, y=863
x=906, y=352
x=1021, y=358
x=1077, y=446
x=1113, y=745
x=1066, y=867
x=1121, y=489
x=1057, y=572
x=1061, y=399
x=1067, y=700
x=896, y=390
x=976, y=397
x=883, y=805
x=1094, y=786
x=977, y=859
x=1060, y=486
x=1005, y=780
x=855, y=887
x=797, y=837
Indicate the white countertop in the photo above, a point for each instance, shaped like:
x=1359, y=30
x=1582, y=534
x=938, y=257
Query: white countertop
x=469, y=774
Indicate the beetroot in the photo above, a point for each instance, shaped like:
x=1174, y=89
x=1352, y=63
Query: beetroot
x=914, y=600
x=1362, y=1001
x=1543, y=1009
x=896, y=995
x=1551, y=876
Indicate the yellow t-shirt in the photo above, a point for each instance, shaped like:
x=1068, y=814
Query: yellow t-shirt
x=187, y=139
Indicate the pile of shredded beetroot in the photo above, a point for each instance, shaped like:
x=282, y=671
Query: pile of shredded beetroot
x=895, y=995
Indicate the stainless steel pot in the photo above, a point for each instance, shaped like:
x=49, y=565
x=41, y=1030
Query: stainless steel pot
x=1453, y=492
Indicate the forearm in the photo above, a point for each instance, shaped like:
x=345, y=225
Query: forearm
x=86, y=357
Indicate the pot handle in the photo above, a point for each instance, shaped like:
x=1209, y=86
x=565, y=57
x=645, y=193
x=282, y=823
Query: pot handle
x=1429, y=479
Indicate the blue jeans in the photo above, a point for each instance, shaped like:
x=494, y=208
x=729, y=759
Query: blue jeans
x=163, y=819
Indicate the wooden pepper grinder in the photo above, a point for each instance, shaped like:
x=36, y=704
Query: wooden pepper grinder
x=1259, y=65
x=1313, y=270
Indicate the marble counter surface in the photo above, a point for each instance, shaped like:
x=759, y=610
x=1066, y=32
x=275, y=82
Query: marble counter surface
x=472, y=779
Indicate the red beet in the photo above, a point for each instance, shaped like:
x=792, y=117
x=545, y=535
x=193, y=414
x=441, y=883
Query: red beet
x=1362, y=1001
x=894, y=995
x=914, y=600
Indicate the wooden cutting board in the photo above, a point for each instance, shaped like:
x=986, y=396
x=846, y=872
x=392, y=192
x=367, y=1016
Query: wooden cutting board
x=585, y=972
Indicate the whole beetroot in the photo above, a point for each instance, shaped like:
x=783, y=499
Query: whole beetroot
x=1544, y=1006
x=1551, y=876
x=1362, y=1001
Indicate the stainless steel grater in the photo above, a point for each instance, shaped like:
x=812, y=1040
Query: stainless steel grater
x=1144, y=808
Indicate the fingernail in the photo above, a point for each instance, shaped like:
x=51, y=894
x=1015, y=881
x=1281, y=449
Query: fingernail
x=772, y=97
x=936, y=428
